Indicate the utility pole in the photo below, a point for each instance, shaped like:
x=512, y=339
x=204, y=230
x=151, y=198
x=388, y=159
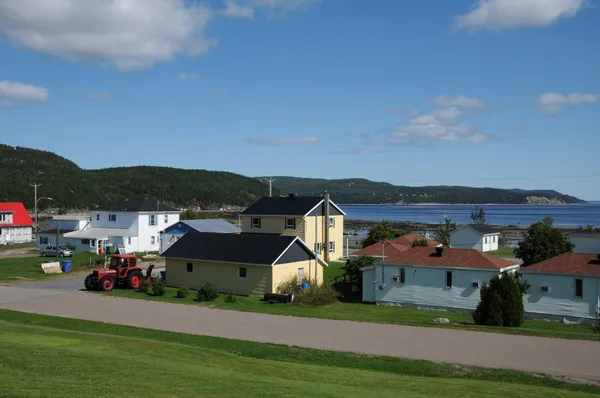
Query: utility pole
x=270, y=181
x=35, y=187
x=57, y=238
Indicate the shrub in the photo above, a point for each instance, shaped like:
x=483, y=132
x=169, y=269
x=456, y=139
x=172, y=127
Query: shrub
x=291, y=286
x=159, y=287
x=208, y=292
x=317, y=295
x=182, y=292
x=230, y=298
x=420, y=243
x=501, y=302
x=597, y=325
x=144, y=286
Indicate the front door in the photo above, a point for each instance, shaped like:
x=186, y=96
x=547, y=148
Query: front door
x=99, y=246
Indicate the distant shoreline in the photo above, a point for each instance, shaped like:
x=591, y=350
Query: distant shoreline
x=463, y=204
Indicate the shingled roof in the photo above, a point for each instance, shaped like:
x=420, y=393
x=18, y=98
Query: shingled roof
x=483, y=229
x=463, y=258
x=568, y=263
x=401, y=243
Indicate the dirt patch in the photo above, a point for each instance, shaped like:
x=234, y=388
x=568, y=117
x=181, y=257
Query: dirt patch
x=17, y=252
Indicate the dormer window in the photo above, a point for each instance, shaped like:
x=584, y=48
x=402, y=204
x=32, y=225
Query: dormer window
x=255, y=222
x=290, y=223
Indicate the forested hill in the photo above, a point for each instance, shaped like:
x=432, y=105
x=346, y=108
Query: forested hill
x=362, y=191
x=74, y=188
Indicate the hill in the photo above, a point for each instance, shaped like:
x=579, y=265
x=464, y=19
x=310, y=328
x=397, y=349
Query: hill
x=72, y=187
x=362, y=191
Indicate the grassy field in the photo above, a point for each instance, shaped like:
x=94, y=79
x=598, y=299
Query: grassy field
x=26, y=268
x=372, y=313
x=503, y=252
x=30, y=246
x=334, y=269
x=48, y=356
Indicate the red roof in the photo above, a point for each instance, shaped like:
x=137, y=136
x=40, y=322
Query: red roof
x=408, y=239
x=20, y=216
x=401, y=243
x=569, y=263
x=466, y=258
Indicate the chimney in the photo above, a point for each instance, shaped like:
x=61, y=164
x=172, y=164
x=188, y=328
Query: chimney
x=439, y=251
x=326, y=226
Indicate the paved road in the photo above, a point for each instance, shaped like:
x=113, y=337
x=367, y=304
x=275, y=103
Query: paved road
x=571, y=358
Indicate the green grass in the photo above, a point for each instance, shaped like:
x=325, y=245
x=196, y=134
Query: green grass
x=30, y=246
x=24, y=268
x=334, y=269
x=503, y=252
x=372, y=313
x=49, y=356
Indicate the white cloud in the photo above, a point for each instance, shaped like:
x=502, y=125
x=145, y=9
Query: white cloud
x=553, y=103
x=15, y=92
x=511, y=14
x=98, y=95
x=129, y=34
x=458, y=102
x=247, y=8
x=283, y=141
x=236, y=10
x=187, y=77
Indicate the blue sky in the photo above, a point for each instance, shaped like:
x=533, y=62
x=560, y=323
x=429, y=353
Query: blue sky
x=492, y=93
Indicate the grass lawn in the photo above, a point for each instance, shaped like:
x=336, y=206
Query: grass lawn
x=48, y=356
x=18, y=246
x=334, y=269
x=24, y=268
x=503, y=252
x=372, y=313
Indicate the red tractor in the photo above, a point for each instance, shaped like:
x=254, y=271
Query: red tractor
x=124, y=270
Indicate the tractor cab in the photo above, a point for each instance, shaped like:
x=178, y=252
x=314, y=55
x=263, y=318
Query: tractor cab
x=123, y=261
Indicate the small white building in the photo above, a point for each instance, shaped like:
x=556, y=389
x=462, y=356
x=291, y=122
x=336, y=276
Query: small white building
x=173, y=233
x=475, y=236
x=62, y=224
x=16, y=225
x=585, y=242
x=432, y=277
x=132, y=225
x=565, y=287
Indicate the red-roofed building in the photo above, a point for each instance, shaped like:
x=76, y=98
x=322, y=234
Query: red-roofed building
x=15, y=224
x=564, y=287
x=400, y=244
x=432, y=277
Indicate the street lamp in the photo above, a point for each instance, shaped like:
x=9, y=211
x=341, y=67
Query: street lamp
x=36, y=213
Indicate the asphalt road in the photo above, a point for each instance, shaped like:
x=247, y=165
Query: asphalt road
x=576, y=359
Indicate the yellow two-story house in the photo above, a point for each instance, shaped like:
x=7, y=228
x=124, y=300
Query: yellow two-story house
x=303, y=216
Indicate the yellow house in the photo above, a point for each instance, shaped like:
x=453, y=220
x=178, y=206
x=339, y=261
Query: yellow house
x=247, y=264
x=321, y=227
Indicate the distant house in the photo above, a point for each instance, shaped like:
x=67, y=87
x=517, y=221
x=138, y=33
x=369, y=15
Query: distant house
x=131, y=224
x=171, y=234
x=62, y=225
x=564, y=287
x=585, y=242
x=475, y=236
x=16, y=225
x=302, y=216
x=247, y=264
x=399, y=244
x=432, y=277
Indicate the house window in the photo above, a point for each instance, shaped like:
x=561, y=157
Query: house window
x=85, y=242
x=332, y=247
x=579, y=288
x=402, y=275
x=242, y=272
x=301, y=273
x=290, y=223
x=486, y=239
x=3, y=217
x=97, y=217
x=494, y=239
x=331, y=222
x=318, y=247
x=43, y=240
x=152, y=219
x=190, y=267
x=166, y=218
x=255, y=222
x=112, y=217
x=129, y=241
x=152, y=240
x=449, y=279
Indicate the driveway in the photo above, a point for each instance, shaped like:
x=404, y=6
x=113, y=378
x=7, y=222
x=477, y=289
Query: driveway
x=574, y=359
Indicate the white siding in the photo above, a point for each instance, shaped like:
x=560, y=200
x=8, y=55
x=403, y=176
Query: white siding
x=466, y=238
x=560, y=301
x=426, y=287
x=368, y=288
x=490, y=242
x=11, y=235
x=586, y=244
x=124, y=219
x=70, y=225
x=147, y=231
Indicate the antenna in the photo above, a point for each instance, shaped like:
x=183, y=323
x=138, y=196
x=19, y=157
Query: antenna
x=270, y=181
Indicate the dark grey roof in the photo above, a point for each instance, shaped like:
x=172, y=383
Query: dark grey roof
x=137, y=205
x=53, y=231
x=230, y=248
x=283, y=206
x=484, y=229
x=212, y=225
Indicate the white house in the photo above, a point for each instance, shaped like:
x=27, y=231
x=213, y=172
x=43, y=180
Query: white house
x=475, y=236
x=16, y=225
x=585, y=242
x=432, y=277
x=61, y=225
x=172, y=234
x=133, y=225
x=565, y=287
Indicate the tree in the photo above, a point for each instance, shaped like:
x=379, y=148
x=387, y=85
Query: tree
x=501, y=302
x=504, y=240
x=541, y=242
x=420, y=243
x=353, y=266
x=478, y=216
x=382, y=231
x=443, y=232
x=188, y=214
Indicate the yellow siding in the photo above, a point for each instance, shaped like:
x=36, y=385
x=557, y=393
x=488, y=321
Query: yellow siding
x=284, y=272
x=226, y=276
x=273, y=225
x=336, y=234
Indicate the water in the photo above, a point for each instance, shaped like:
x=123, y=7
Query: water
x=515, y=215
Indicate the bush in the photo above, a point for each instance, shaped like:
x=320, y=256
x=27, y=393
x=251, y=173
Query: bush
x=420, y=243
x=501, y=302
x=144, y=286
x=71, y=247
x=291, y=286
x=208, y=292
x=159, y=287
x=182, y=292
x=230, y=298
x=317, y=295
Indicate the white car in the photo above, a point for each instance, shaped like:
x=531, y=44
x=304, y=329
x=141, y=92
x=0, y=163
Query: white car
x=50, y=251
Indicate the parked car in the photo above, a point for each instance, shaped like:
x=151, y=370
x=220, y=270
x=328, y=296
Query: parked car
x=50, y=251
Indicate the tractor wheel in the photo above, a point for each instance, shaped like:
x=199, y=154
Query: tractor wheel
x=88, y=282
x=134, y=280
x=107, y=284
